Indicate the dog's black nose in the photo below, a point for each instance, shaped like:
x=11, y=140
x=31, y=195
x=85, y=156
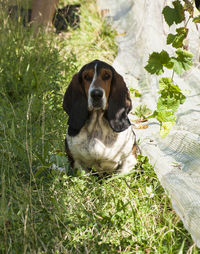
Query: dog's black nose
x=96, y=94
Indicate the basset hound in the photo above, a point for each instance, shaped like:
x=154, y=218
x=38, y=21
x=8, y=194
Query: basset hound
x=100, y=135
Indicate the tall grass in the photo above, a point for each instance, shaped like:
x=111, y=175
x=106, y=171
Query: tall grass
x=43, y=210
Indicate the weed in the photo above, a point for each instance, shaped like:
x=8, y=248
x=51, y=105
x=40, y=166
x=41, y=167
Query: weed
x=142, y=112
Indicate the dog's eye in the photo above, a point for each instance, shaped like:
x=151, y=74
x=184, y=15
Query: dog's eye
x=106, y=76
x=88, y=77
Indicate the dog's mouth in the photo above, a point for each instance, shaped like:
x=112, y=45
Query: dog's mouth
x=97, y=104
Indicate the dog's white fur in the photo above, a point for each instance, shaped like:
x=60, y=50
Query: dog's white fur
x=98, y=146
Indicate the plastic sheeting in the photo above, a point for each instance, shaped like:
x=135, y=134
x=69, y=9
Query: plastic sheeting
x=176, y=158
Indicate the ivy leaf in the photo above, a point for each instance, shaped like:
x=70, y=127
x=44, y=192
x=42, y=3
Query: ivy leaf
x=188, y=6
x=183, y=61
x=171, y=95
x=165, y=116
x=157, y=61
x=174, y=15
x=178, y=68
x=168, y=102
x=167, y=120
x=165, y=128
x=135, y=92
x=196, y=19
x=177, y=39
x=164, y=83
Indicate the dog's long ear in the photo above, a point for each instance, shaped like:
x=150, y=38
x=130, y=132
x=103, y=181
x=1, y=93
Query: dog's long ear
x=76, y=105
x=119, y=104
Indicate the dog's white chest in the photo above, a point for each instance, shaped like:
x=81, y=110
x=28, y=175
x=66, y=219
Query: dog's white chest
x=98, y=146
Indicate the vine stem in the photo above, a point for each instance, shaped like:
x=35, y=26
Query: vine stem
x=173, y=75
x=187, y=21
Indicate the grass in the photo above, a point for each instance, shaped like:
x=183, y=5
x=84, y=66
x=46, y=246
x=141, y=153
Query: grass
x=47, y=211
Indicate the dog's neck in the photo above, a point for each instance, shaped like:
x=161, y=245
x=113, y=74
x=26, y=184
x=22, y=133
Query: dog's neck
x=96, y=117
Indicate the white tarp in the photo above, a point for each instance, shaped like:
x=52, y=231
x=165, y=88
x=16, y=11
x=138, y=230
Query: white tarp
x=141, y=30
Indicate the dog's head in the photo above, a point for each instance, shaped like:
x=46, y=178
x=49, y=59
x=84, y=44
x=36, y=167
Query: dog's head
x=97, y=86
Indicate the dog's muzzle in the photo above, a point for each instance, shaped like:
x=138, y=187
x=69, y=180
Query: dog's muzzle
x=96, y=98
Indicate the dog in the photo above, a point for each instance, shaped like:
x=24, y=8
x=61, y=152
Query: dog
x=100, y=135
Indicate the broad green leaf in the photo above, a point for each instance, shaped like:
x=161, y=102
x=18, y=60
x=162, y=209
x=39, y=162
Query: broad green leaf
x=188, y=6
x=161, y=106
x=154, y=65
x=175, y=14
x=175, y=88
x=170, y=38
x=169, y=64
x=178, y=68
x=177, y=39
x=166, y=116
x=135, y=92
x=184, y=54
x=164, y=57
x=153, y=115
x=167, y=83
x=196, y=19
x=165, y=128
x=157, y=61
x=164, y=83
x=169, y=15
x=167, y=104
x=170, y=95
x=183, y=61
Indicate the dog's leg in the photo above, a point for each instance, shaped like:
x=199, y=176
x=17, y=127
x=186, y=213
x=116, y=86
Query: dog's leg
x=128, y=164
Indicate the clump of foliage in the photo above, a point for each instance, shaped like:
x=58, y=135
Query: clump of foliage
x=142, y=112
x=32, y=75
x=134, y=92
x=171, y=96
